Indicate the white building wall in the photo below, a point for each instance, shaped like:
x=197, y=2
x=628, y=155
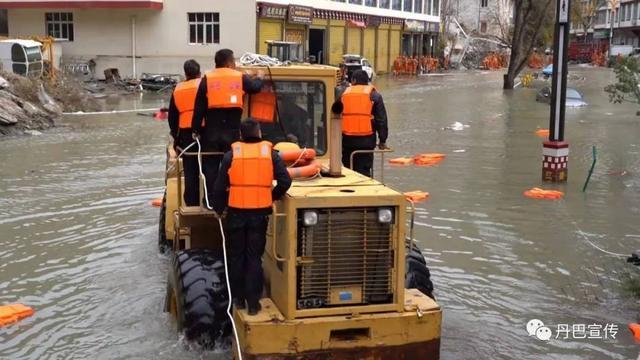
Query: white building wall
x=162, y=36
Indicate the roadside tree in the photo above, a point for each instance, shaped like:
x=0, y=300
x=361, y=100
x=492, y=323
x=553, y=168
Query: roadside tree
x=627, y=89
x=530, y=17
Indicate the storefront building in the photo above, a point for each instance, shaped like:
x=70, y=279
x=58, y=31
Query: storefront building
x=329, y=29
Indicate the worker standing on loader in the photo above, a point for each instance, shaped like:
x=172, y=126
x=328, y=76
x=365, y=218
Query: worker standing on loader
x=219, y=100
x=248, y=171
x=363, y=114
x=180, y=116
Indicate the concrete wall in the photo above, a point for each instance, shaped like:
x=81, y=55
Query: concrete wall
x=470, y=15
x=162, y=36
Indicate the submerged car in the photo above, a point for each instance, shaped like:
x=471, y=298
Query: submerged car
x=574, y=98
x=352, y=63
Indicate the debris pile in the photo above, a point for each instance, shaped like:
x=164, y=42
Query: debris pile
x=31, y=104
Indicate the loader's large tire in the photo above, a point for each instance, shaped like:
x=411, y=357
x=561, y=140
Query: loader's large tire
x=417, y=275
x=197, y=296
x=163, y=243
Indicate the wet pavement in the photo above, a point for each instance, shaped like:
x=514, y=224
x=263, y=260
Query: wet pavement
x=78, y=236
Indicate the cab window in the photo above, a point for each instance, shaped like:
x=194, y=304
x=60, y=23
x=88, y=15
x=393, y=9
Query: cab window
x=300, y=115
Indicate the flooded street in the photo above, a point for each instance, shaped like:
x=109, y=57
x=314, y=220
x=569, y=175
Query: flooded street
x=78, y=236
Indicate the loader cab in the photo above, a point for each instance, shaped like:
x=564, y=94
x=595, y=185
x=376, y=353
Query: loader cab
x=285, y=51
x=22, y=57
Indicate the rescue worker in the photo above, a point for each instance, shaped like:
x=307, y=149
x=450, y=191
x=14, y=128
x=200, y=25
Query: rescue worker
x=219, y=103
x=248, y=171
x=180, y=115
x=363, y=115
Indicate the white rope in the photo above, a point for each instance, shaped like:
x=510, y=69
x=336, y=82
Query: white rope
x=258, y=60
x=224, y=247
x=584, y=236
x=226, y=274
x=204, y=178
x=109, y=112
x=302, y=153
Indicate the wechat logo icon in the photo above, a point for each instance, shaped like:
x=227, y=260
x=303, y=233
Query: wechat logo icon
x=536, y=328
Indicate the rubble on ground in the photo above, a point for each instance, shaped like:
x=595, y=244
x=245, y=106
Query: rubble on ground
x=32, y=104
x=480, y=51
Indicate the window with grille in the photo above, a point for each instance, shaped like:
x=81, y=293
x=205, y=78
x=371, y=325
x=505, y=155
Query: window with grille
x=59, y=25
x=484, y=3
x=417, y=6
x=204, y=28
x=483, y=27
x=408, y=5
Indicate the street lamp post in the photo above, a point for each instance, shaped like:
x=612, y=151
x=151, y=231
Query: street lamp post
x=555, y=151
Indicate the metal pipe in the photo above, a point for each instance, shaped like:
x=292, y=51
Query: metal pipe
x=335, y=157
x=133, y=46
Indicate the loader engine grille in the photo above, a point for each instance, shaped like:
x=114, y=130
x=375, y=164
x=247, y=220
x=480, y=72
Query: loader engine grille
x=347, y=258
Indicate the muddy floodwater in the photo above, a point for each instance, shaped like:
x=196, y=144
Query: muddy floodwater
x=78, y=236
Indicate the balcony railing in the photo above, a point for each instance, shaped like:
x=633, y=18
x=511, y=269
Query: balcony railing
x=77, y=4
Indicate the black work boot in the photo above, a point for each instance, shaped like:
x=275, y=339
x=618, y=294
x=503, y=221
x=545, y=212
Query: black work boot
x=238, y=304
x=254, y=308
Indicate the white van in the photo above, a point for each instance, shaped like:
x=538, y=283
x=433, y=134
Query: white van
x=22, y=57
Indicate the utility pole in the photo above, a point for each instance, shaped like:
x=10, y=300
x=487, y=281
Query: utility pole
x=555, y=151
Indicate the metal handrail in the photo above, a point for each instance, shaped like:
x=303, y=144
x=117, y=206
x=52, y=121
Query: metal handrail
x=274, y=236
x=412, y=211
x=181, y=172
x=374, y=151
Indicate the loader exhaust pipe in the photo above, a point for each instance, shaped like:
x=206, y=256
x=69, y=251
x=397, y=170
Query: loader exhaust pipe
x=335, y=157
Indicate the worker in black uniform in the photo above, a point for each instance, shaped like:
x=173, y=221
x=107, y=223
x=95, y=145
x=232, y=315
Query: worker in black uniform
x=244, y=189
x=363, y=115
x=180, y=116
x=219, y=103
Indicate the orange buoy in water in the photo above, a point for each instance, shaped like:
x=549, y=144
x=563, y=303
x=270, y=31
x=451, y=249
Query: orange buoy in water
x=13, y=313
x=417, y=196
x=428, y=159
x=543, y=132
x=401, y=161
x=537, y=193
x=307, y=171
x=635, y=330
x=156, y=202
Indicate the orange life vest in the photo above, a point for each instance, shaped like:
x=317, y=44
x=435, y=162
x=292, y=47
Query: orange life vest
x=184, y=97
x=263, y=105
x=224, y=88
x=356, y=118
x=251, y=175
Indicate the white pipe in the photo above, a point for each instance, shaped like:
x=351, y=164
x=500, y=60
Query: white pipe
x=133, y=46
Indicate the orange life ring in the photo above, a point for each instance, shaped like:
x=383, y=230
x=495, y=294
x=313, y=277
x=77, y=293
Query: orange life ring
x=307, y=171
x=301, y=154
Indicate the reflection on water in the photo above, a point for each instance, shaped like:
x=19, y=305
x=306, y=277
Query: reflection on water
x=79, y=237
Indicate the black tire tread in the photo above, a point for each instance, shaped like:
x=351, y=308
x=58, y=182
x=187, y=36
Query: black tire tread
x=201, y=290
x=163, y=243
x=417, y=274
